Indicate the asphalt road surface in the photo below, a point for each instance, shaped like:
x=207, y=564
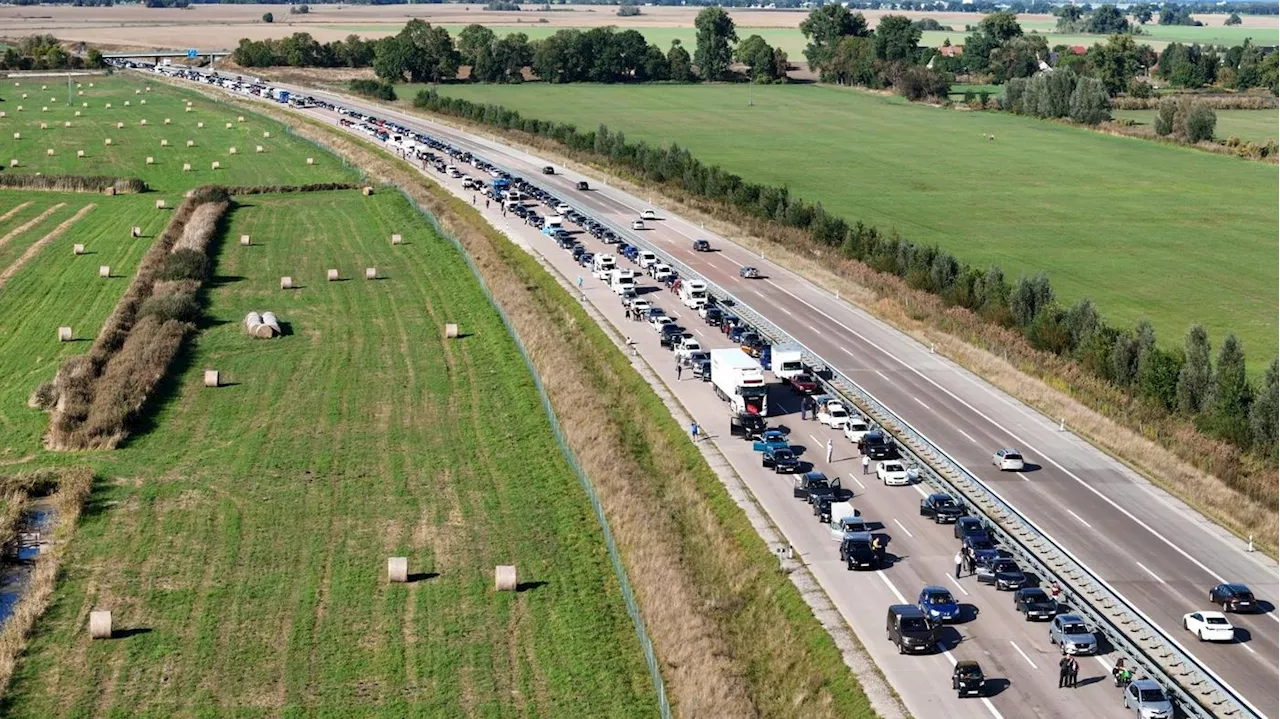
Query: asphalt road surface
x=1159, y=554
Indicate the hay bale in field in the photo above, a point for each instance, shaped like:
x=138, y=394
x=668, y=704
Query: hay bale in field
x=311, y=160
x=17, y=135
x=396, y=239
x=266, y=135
x=333, y=275
x=67, y=123
x=77, y=113
x=451, y=330
x=3, y=114
x=228, y=126
x=90, y=84
x=366, y=191
x=19, y=108
x=24, y=96
x=159, y=204
x=150, y=160
x=371, y=273
x=257, y=148
x=164, y=143
x=44, y=126
x=186, y=167
x=187, y=109
x=142, y=122
x=77, y=249
x=142, y=102
x=79, y=153
x=126, y=103
x=252, y=321
x=137, y=92
x=215, y=164
x=231, y=151
x=49, y=152
x=108, y=106
x=504, y=578
x=397, y=569
x=286, y=283
x=13, y=162
x=211, y=378
x=135, y=231
x=80, y=92
x=119, y=125
x=84, y=104
x=109, y=192
x=65, y=334
x=99, y=624
x=167, y=121
x=240, y=118
x=191, y=143
x=44, y=108
x=108, y=142
x=244, y=240
x=104, y=270
x=200, y=125
x=148, y=88
x=269, y=320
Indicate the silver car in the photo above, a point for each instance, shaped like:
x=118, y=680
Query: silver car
x=1148, y=700
x=1071, y=634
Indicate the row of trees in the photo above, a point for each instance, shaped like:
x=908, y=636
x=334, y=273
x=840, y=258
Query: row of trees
x=46, y=52
x=1220, y=398
x=1241, y=67
x=1058, y=94
x=844, y=50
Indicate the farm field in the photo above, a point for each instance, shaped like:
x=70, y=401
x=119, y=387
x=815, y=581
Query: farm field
x=1042, y=196
x=1249, y=125
x=285, y=155
x=54, y=288
x=243, y=543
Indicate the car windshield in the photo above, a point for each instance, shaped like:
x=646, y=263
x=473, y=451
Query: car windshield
x=1151, y=695
x=1005, y=566
x=893, y=467
x=981, y=543
x=914, y=624
x=1220, y=621
x=1035, y=596
x=940, y=598
x=969, y=672
x=943, y=502
x=1074, y=629
x=1013, y=455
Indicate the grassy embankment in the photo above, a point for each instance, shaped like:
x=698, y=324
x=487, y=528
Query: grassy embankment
x=1108, y=218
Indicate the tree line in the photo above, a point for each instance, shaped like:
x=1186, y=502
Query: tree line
x=46, y=52
x=1217, y=396
x=844, y=50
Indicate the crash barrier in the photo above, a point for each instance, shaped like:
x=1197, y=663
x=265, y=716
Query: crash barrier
x=615, y=557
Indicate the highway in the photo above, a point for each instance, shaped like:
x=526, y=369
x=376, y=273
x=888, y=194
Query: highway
x=1159, y=554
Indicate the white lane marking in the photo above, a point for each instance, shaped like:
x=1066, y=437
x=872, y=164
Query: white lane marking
x=1154, y=576
x=966, y=435
x=882, y=375
x=920, y=490
x=1078, y=519
x=1103, y=662
x=784, y=309
x=815, y=439
x=889, y=584
x=815, y=329
x=860, y=484
x=957, y=583
x=922, y=404
x=903, y=528
x=695, y=329
x=1017, y=439
x=1273, y=616
x=846, y=352
x=1249, y=649
x=1024, y=654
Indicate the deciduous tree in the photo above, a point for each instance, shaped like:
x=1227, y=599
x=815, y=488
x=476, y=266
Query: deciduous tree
x=715, y=35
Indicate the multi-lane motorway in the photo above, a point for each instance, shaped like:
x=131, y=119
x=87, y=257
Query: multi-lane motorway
x=1159, y=554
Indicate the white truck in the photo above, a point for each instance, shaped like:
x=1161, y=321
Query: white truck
x=620, y=281
x=693, y=294
x=786, y=361
x=739, y=380
x=602, y=266
x=551, y=223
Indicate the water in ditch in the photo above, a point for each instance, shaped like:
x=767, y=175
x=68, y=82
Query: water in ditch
x=16, y=568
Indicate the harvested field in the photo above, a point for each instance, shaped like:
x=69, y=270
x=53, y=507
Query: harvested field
x=243, y=542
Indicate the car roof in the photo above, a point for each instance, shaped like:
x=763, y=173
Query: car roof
x=1148, y=684
x=815, y=475
x=1237, y=587
x=1064, y=618
x=1214, y=615
x=940, y=495
x=858, y=536
x=967, y=664
x=934, y=589
x=906, y=610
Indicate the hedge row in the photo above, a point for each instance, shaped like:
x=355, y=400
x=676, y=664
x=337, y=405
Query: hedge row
x=1128, y=358
x=72, y=183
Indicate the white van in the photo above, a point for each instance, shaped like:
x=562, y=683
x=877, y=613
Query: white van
x=646, y=259
x=602, y=266
x=693, y=293
x=550, y=224
x=622, y=281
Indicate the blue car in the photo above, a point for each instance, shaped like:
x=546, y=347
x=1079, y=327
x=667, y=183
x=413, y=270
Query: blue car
x=938, y=604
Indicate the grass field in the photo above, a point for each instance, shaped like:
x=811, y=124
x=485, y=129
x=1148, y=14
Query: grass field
x=244, y=540
x=1249, y=125
x=55, y=288
x=283, y=160
x=1110, y=218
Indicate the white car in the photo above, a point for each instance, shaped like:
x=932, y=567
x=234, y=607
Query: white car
x=657, y=321
x=893, y=473
x=833, y=414
x=637, y=225
x=648, y=215
x=1008, y=460
x=563, y=209
x=855, y=428
x=1209, y=626
x=687, y=348
x=660, y=272
x=641, y=307
x=646, y=259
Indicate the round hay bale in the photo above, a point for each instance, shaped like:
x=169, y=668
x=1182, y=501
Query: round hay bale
x=286, y=283
x=240, y=118
x=19, y=108
x=252, y=319
x=150, y=160
x=397, y=569
x=13, y=162
x=44, y=126
x=186, y=167
x=366, y=191
x=231, y=151
x=90, y=84
x=311, y=160
x=269, y=320
x=77, y=113
x=104, y=271
x=215, y=164
x=44, y=108
x=17, y=135
x=191, y=143
x=148, y=88
x=266, y=135
x=228, y=126
x=99, y=624
x=396, y=239
x=257, y=148
x=108, y=106
x=187, y=109
x=77, y=249
x=142, y=102
x=126, y=103
x=80, y=153
x=65, y=334
x=159, y=204
x=451, y=330
x=137, y=92
x=244, y=240
x=3, y=113
x=136, y=232
x=333, y=275
x=164, y=143
x=108, y=141
x=142, y=122
x=84, y=104
x=66, y=123
x=211, y=378
x=49, y=152
x=200, y=125
x=504, y=578
x=371, y=273
x=109, y=192
x=119, y=125
x=167, y=121
x=24, y=96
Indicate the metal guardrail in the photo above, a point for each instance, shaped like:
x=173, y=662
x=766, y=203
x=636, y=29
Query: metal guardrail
x=1197, y=690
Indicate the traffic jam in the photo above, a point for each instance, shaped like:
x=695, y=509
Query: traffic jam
x=760, y=413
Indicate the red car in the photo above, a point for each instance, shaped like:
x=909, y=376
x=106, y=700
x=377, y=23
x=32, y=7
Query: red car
x=804, y=384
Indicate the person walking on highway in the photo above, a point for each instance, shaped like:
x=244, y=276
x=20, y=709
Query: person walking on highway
x=693, y=431
x=866, y=464
x=830, y=448
x=959, y=563
x=679, y=370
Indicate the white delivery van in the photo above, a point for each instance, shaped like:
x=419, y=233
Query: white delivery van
x=646, y=259
x=550, y=224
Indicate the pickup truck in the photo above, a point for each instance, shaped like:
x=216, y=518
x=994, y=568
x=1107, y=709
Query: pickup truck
x=781, y=459
x=771, y=438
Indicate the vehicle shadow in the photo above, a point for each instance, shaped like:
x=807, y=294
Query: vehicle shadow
x=949, y=637
x=1242, y=635
x=1031, y=467
x=993, y=687
x=968, y=613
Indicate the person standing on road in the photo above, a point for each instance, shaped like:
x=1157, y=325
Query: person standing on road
x=866, y=464
x=486, y=203
x=679, y=370
x=959, y=563
x=1073, y=671
x=693, y=431
x=969, y=567
x=830, y=448
x=1064, y=671
x=804, y=407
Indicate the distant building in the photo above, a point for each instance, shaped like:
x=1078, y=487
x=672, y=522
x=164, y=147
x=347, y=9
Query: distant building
x=951, y=50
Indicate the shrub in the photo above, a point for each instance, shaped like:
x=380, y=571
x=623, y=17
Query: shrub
x=373, y=88
x=1200, y=122
x=184, y=265
x=628, y=10
x=180, y=307
x=1140, y=89
x=268, y=17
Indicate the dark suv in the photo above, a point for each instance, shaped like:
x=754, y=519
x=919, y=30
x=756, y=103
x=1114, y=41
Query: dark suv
x=857, y=553
x=908, y=628
x=877, y=445
x=941, y=507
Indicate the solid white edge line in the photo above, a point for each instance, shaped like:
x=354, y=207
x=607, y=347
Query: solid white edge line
x=1024, y=655
x=957, y=583
x=908, y=531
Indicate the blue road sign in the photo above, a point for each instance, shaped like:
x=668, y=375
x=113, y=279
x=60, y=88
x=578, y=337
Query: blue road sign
x=192, y=53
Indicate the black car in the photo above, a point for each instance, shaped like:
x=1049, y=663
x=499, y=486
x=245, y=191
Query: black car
x=812, y=486
x=671, y=334
x=582, y=185
x=781, y=459
x=967, y=679
x=908, y=628
x=701, y=246
x=1034, y=603
x=1233, y=598
x=713, y=316
x=822, y=510
x=941, y=507
x=1002, y=573
x=548, y=170
x=877, y=445
x=857, y=553
x=747, y=425
x=966, y=526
